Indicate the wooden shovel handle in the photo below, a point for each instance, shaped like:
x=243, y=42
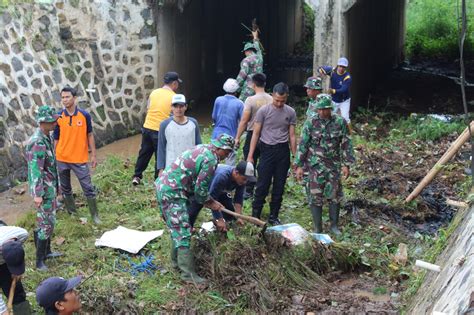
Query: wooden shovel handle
x=11, y=295
x=245, y=217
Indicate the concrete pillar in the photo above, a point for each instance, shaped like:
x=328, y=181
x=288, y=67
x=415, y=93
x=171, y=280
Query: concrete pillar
x=330, y=30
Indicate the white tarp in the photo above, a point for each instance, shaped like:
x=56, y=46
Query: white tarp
x=127, y=239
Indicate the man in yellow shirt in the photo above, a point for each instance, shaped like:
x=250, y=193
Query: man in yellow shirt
x=159, y=109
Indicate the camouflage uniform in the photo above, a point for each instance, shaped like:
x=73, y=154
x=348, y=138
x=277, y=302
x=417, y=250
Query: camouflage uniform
x=325, y=146
x=43, y=177
x=189, y=176
x=249, y=66
x=314, y=83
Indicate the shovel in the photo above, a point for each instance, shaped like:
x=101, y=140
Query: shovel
x=247, y=218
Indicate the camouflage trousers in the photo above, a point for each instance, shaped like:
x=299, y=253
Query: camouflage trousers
x=323, y=184
x=175, y=213
x=246, y=92
x=46, y=218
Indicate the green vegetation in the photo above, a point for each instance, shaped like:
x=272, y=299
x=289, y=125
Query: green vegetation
x=433, y=28
x=249, y=274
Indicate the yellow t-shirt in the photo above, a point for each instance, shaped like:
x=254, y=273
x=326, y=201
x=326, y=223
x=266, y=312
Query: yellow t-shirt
x=160, y=108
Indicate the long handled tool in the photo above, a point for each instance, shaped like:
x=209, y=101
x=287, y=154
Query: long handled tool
x=247, y=218
x=11, y=295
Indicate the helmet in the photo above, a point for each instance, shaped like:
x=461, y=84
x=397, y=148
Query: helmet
x=224, y=141
x=323, y=101
x=314, y=83
x=46, y=114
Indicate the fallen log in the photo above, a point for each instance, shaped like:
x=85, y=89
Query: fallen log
x=453, y=149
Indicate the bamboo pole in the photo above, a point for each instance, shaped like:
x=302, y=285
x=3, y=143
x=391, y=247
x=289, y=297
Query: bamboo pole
x=453, y=149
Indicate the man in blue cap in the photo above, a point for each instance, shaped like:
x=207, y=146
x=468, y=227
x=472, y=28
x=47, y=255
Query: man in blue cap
x=339, y=88
x=58, y=295
x=12, y=266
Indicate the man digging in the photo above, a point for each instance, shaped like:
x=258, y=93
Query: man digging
x=325, y=149
x=190, y=175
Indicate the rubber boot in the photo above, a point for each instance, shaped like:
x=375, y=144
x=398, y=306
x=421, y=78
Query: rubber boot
x=174, y=256
x=35, y=237
x=22, y=308
x=41, y=255
x=187, y=267
x=70, y=204
x=49, y=253
x=92, y=203
x=317, y=213
x=334, y=218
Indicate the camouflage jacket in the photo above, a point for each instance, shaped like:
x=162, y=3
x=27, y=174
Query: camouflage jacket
x=42, y=172
x=190, y=175
x=325, y=143
x=311, y=111
x=248, y=66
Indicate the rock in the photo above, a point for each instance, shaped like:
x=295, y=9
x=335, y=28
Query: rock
x=401, y=256
x=72, y=58
x=21, y=79
x=17, y=64
x=36, y=83
x=45, y=20
x=5, y=68
x=125, y=59
x=149, y=82
x=145, y=32
x=105, y=44
x=106, y=57
x=37, y=99
x=87, y=64
x=27, y=57
x=57, y=76
x=19, y=136
x=12, y=86
x=37, y=44
x=139, y=94
x=148, y=59
x=12, y=120
x=2, y=110
x=126, y=15
x=65, y=33
x=113, y=115
x=25, y=100
x=56, y=96
x=146, y=46
x=29, y=72
x=37, y=68
x=48, y=81
x=118, y=86
x=134, y=60
x=131, y=80
x=118, y=103
x=125, y=119
x=6, y=17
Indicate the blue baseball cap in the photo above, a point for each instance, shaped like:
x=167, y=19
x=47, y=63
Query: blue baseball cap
x=52, y=290
x=14, y=256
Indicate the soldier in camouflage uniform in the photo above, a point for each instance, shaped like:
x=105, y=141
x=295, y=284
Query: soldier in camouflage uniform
x=314, y=87
x=325, y=147
x=43, y=181
x=190, y=176
x=251, y=64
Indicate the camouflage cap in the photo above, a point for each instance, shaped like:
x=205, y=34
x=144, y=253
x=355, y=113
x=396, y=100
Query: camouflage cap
x=314, y=83
x=249, y=45
x=323, y=101
x=224, y=141
x=46, y=114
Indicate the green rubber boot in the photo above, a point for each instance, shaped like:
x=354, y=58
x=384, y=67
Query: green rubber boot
x=70, y=204
x=22, y=308
x=334, y=218
x=317, y=213
x=92, y=203
x=187, y=267
x=174, y=256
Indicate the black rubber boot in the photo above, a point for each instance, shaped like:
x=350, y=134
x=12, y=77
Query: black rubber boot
x=317, y=213
x=273, y=218
x=92, y=203
x=41, y=255
x=334, y=218
x=70, y=204
x=22, y=308
x=49, y=253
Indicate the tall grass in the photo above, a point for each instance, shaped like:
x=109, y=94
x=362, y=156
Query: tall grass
x=433, y=28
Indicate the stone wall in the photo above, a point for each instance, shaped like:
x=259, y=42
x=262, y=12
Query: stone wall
x=105, y=49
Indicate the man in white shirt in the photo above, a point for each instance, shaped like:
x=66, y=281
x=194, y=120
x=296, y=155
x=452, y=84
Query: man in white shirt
x=177, y=133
